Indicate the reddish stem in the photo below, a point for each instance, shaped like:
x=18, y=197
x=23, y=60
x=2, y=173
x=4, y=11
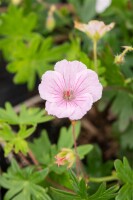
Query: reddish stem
x=75, y=148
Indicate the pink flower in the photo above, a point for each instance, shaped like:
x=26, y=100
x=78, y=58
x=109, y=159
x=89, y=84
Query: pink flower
x=70, y=90
x=94, y=29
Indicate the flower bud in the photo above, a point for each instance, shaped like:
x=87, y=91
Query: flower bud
x=119, y=59
x=50, y=21
x=16, y=2
x=65, y=157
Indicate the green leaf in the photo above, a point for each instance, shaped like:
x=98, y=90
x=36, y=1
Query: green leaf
x=124, y=171
x=22, y=183
x=127, y=138
x=11, y=22
x=81, y=191
x=125, y=174
x=66, y=137
x=84, y=149
x=41, y=147
x=79, y=186
x=15, y=141
x=59, y=195
x=12, y=31
x=104, y=194
x=123, y=107
x=39, y=176
x=26, y=116
x=82, y=9
x=96, y=167
x=34, y=58
x=125, y=193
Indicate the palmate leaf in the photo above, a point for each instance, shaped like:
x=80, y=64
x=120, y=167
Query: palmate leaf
x=60, y=194
x=24, y=183
x=45, y=152
x=84, y=150
x=123, y=107
x=66, y=138
x=26, y=116
x=15, y=141
x=126, y=138
x=15, y=26
x=33, y=58
x=104, y=194
x=82, y=8
x=125, y=174
x=10, y=22
x=81, y=191
x=96, y=167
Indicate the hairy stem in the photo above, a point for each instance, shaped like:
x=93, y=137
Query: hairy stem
x=95, y=54
x=75, y=148
x=103, y=179
x=33, y=158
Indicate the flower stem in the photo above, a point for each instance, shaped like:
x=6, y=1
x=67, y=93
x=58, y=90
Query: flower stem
x=95, y=54
x=75, y=147
x=103, y=179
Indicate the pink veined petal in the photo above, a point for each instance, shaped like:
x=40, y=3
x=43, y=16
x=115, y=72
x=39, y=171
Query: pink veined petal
x=94, y=26
x=96, y=91
x=82, y=105
x=52, y=86
x=87, y=82
x=70, y=90
x=69, y=70
x=60, y=109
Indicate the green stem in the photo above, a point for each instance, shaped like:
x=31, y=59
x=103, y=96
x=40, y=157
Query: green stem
x=103, y=179
x=95, y=54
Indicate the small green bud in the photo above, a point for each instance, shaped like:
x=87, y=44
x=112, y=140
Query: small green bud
x=65, y=157
x=119, y=59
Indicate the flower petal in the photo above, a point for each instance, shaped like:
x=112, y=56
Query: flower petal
x=82, y=105
x=87, y=82
x=69, y=70
x=60, y=109
x=52, y=86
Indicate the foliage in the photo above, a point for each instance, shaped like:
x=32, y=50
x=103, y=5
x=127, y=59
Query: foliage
x=15, y=141
x=26, y=116
x=125, y=174
x=46, y=157
x=81, y=191
x=24, y=183
x=12, y=31
x=38, y=57
x=95, y=165
x=82, y=8
x=28, y=49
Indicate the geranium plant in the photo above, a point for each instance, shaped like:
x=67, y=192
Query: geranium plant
x=72, y=139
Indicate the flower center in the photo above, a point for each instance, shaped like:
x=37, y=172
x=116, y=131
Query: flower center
x=68, y=95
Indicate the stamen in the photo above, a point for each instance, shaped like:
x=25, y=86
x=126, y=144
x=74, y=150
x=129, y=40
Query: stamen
x=68, y=95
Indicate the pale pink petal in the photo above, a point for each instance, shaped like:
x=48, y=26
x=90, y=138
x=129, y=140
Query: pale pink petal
x=60, y=109
x=70, y=90
x=87, y=82
x=52, y=86
x=82, y=105
x=69, y=70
